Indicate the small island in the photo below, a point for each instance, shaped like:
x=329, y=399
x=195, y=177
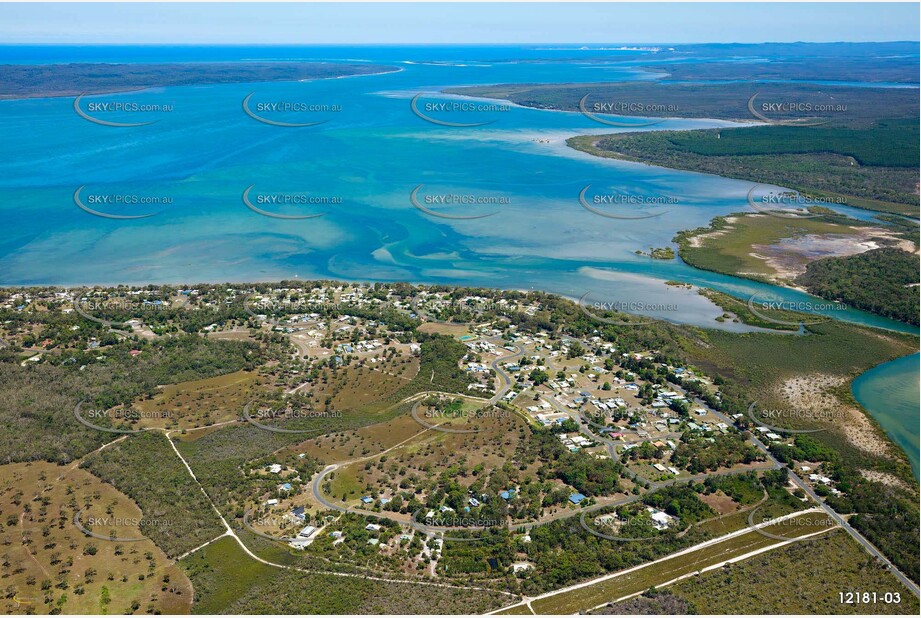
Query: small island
x=659, y=253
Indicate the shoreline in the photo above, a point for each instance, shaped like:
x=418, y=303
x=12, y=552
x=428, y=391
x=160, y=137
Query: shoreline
x=741, y=122
x=204, y=82
x=691, y=239
x=587, y=143
x=896, y=449
x=891, y=437
x=904, y=349
x=306, y=280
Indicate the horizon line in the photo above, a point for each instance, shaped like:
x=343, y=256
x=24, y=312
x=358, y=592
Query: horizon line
x=576, y=46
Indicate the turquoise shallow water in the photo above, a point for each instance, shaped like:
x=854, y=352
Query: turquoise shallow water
x=370, y=155
x=366, y=159
x=890, y=392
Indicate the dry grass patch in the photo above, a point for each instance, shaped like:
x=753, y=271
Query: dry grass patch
x=51, y=565
x=199, y=402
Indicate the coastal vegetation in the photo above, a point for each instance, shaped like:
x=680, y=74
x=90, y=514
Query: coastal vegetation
x=737, y=310
x=856, y=146
x=781, y=250
x=739, y=243
x=830, y=564
x=535, y=468
x=882, y=281
x=19, y=81
x=765, y=365
x=660, y=253
x=724, y=101
x=326, y=447
x=177, y=515
x=868, y=169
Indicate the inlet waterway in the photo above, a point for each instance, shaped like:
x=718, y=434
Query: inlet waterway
x=358, y=171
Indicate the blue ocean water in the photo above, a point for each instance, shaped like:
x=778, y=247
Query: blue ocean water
x=368, y=156
x=365, y=160
x=890, y=392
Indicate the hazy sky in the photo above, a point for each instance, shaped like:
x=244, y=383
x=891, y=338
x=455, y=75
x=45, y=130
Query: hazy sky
x=282, y=23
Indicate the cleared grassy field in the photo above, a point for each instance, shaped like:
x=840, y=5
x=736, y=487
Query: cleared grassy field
x=51, y=566
x=199, y=402
x=464, y=417
x=655, y=574
x=453, y=330
x=345, y=485
x=363, y=386
x=810, y=576
x=725, y=524
x=367, y=440
x=222, y=573
x=424, y=455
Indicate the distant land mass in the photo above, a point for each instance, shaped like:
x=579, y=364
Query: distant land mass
x=863, y=150
x=64, y=80
x=851, y=106
x=875, y=62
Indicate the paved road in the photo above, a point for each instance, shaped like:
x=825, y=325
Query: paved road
x=505, y=378
x=507, y=382
x=228, y=531
x=316, y=486
x=867, y=545
x=526, y=600
x=775, y=464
